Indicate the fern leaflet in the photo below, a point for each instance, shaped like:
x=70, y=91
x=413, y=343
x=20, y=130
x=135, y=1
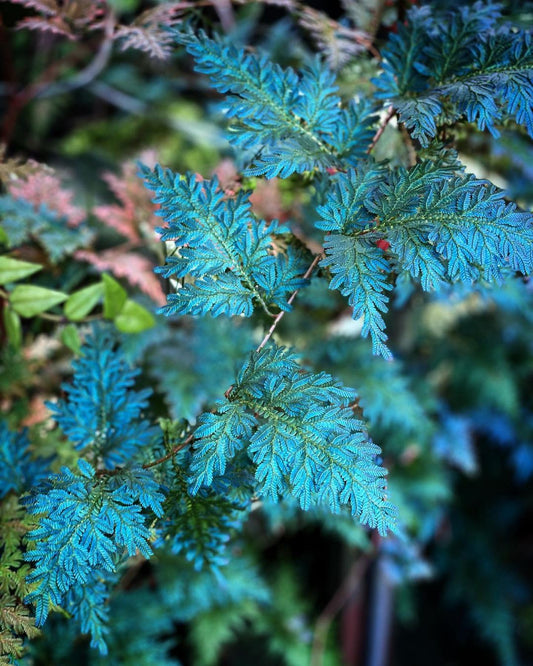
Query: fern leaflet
x=301, y=436
x=293, y=123
x=439, y=68
x=224, y=251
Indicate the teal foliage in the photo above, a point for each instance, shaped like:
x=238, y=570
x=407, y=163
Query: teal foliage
x=21, y=222
x=194, y=592
x=87, y=524
x=199, y=524
x=101, y=411
x=19, y=472
x=301, y=436
x=209, y=351
x=469, y=63
x=386, y=395
x=294, y=122
x=268, y=438
x=140, y=625
x=220, y=244
x=439, y=227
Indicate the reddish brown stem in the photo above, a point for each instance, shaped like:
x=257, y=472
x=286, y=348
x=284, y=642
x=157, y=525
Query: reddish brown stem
x=349, y=586
x=381, y=129
x=171, y=454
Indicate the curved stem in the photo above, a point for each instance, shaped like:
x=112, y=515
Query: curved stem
x=280, y=316
x=348, y=587
x=89, y=73
x=381, y=128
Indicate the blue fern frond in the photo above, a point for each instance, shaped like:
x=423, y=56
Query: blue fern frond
x=226, y=254
x=294, y=122
x=302, y=437
x=88, y=604
x=441, y=67
x=102, y=411
x=463, y=222
x=360, y=272
x=437, y=225
x=220, y=434
x=19, y=472
x=385, y=393
x=87, y=523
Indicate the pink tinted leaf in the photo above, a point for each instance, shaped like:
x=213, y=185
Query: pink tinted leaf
x=41, y=188
x=147, y=33
x=46, y=7
x=136, y=213
x=54, y=24
x=134, y=268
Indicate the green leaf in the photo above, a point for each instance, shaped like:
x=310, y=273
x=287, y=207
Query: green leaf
x=12, y=327
x=81, y=302
x=124, y=6
x=12, y=270
x=29, y=300
x=71, y=339
x=114, y=296
x=3, y=237
x=133, y=318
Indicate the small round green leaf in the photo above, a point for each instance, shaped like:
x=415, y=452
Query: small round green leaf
x=71, y=339
x=12, y=327
x=81, y=302
x=29, y=300
x=12, y=270
x=133, y=318
x=114, y=296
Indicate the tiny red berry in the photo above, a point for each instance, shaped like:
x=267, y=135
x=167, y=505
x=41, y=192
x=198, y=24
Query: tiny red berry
x=383, y=244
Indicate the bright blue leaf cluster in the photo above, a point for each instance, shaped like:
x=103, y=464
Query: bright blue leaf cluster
x=300, y=433
x=101, y=410
x=388, y=401
x=18, y=471
x=293, y=123
x=466, y=63
x=90, y=521
x=228, y=253
x=438, y=226
x=87, y=524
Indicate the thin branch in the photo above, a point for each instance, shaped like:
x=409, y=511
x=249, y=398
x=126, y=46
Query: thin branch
x=89, y=73
x=345, y=591
x=171, y=453
x=387, y=118
x=267, y=337
x=280, y=316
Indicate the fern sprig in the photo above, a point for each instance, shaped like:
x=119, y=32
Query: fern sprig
x=87, y=523
x=438, y=226
x=294, y=123
x=225, y=253
x=301, y=436
x=102, y=411
x=443, y=67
